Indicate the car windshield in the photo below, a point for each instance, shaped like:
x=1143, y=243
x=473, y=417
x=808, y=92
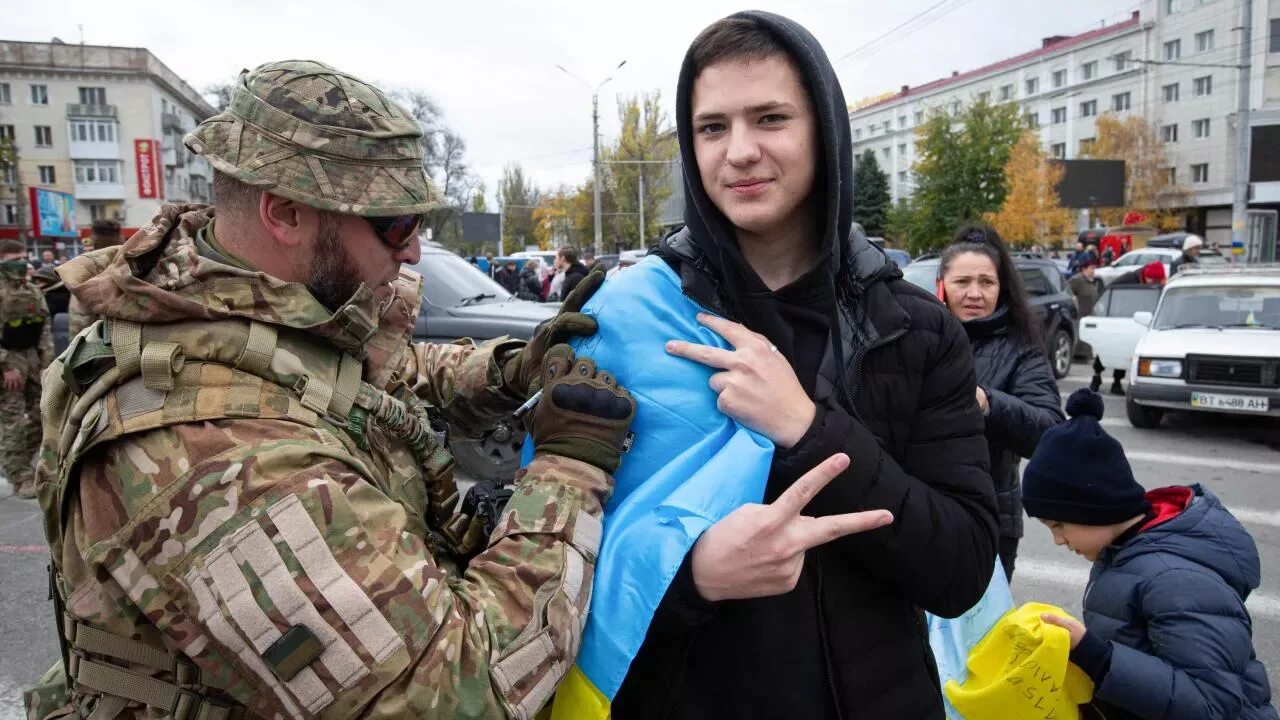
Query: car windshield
x=922, y=274
x=449, y=281
x=1220, y=307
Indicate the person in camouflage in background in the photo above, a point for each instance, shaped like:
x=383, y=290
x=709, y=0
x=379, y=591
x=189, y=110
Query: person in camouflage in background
x=248, y=513
x=26, y=347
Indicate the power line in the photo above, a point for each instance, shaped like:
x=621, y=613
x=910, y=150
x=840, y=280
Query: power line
x=865, y=46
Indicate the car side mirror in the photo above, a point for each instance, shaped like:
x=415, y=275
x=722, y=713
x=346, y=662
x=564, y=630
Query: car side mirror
x=1142, y=318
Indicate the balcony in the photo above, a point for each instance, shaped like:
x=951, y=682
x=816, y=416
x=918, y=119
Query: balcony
x=171, y=121
x=80, y=110
x=99, y=191
x=94, y=150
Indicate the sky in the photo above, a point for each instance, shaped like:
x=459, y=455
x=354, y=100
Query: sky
x=491, y=64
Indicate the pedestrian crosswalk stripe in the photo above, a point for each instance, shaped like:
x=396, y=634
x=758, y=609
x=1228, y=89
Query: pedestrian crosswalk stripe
x=1216, y=463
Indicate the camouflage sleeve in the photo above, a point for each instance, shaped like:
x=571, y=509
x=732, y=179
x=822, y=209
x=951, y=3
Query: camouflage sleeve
x=464, y=380
x=45, y=348
x=300, y=587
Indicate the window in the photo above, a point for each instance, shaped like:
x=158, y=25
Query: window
x=857, y=133
x=955, y=108
x=97, y=171
x=1172, y=6
x=1059, y=78
x=1089, y=70
x=6, y=132
x=93, y=96
x=5, y=97
x=887, y=126
x=1033, y=120
x=871, y=130
x=1122, y=60
x=1033, y=86
x=1171, y=175
x=902, y=150
x=885, y=153
x=48, y=176
x=919, y=117
x=984, y=96
x=1169, y=133
x=92, y=131
x=1058, y=150
x=10, y=214
x=97, y=211
x=1204, y=41
x=1275, y=35
x=1058, y=116
x=1120, y=102
x=1200, y=128
x=1086, y=145
x=1006, y=92
x=39, y=94
x=1123, y=302
x=1200, y=173
x=1036, y=283
x=1089, y=109
x=1173, y=50
x=1170, y=93
x=1202, y=86
x=44, y=136
x=8, y=175
x=902, y=176
x=902, y=121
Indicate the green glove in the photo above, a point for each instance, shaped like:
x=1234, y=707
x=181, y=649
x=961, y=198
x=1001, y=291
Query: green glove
x=583, y=413
x=522, y=373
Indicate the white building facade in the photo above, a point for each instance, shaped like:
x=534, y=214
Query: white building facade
x=1173, y=62
x=102, y=123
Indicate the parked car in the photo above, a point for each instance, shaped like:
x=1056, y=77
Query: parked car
x=1213, y=346
x=901, y=258
x=461, y=301
x=1051, y=301
x=1135, y=259
x=1111, y=330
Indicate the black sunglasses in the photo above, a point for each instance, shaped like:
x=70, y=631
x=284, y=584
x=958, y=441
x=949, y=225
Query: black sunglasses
x=396, y=231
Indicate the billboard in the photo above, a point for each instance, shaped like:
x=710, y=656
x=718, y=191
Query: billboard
x=480, y=228
x=52, y=213
x=1092, y=184
x=146, y=157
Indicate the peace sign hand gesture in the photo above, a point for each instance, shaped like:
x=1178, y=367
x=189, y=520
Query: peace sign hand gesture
x=758, y=550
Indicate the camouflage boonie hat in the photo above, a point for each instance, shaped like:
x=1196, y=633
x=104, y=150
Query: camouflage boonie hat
x=305, y=131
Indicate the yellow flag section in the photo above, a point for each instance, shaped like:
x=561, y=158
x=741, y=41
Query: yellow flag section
x=1020, y=671
x=579, y=699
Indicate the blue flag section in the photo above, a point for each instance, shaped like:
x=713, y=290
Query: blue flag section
x=689, y=467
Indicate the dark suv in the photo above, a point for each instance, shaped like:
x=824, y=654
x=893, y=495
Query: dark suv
x=1050, y=297
x=461, y=301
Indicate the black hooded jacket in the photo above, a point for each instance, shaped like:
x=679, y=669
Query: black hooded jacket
x=894, y=387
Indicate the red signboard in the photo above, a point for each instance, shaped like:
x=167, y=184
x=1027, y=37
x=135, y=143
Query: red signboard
x=158, y=157
x=145, y=156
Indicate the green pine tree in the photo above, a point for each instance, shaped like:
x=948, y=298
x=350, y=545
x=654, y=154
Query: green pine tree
x=870, y=195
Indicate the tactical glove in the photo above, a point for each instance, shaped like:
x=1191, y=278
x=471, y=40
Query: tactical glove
x=583, y=413
x=522, y=373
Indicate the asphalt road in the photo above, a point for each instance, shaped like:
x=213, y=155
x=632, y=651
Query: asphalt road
x=1239, y=459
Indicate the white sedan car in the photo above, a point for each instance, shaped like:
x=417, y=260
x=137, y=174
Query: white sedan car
x=1111, y=329
x=1213, y=346
x=1135, y=259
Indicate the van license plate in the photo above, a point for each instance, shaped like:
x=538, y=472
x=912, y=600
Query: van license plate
x=1241, y=403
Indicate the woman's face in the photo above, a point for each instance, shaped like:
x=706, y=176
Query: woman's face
x=971, y=286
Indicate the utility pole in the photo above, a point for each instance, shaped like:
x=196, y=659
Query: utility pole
x=641, y=207
x=595, y=145
x=1240, y=200
x=641, y=176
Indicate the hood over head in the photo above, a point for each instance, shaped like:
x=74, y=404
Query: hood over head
x=833, y=179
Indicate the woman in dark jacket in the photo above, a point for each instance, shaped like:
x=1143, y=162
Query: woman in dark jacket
x=1016, y=391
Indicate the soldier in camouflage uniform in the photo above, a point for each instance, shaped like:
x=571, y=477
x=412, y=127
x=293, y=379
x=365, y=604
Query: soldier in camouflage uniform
x=106, y=233
x=26, y=347
x=248, y=512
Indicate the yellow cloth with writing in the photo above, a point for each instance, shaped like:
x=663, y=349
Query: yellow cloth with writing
x=1020, y=671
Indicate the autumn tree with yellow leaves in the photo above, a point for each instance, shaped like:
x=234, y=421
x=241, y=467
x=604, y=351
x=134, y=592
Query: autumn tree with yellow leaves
x=1147, y=186
x=1031, y=212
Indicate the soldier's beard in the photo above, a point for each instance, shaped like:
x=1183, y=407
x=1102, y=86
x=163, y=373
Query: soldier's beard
x=334, y=277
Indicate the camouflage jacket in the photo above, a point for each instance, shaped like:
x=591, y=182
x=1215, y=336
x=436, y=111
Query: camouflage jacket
x=218, y=536
x=25, y=329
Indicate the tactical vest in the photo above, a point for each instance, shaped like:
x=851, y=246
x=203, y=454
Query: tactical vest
x=119, y=378
x=22, y=315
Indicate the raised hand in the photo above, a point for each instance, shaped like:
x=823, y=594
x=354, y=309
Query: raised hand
x=758, y=550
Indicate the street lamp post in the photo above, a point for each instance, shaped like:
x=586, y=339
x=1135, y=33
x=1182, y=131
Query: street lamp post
x=595, y=144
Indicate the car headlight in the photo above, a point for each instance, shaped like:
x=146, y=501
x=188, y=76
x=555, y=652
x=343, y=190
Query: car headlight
x=1153, y=367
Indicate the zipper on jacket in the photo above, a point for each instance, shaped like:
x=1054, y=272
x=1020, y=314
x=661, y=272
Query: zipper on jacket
x=826, y=645
x=857, y=367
